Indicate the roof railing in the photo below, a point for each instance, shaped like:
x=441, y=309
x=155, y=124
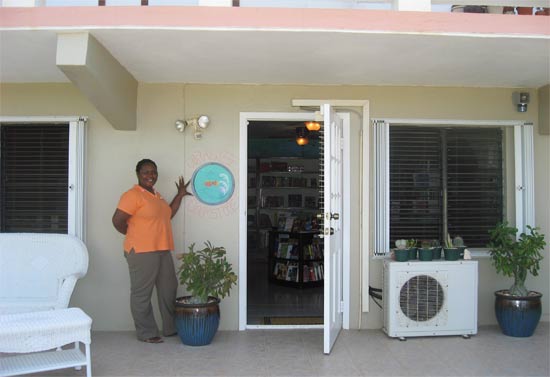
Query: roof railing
x=408, y=5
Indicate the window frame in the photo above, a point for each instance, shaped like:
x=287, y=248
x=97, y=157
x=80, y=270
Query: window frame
x=77, y=144
x=523, y=177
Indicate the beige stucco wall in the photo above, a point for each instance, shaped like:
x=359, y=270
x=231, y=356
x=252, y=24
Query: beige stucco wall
x=111, y=157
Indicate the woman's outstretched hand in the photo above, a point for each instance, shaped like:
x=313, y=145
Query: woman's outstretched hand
x=182, y=191
x=182, y=187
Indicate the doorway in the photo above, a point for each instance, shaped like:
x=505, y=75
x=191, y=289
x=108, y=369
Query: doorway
x=340, y=308
x=284, y=250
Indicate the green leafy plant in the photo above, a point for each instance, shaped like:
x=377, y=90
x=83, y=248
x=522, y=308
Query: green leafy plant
x=206, y=272
x=448, y=242
x=426, y=244
x=411, y=243
x=516, y=257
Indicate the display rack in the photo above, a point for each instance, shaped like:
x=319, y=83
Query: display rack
x=296, y=258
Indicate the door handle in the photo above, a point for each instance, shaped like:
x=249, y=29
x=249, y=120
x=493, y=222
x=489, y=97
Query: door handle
x=327, y=231
x=335, y=216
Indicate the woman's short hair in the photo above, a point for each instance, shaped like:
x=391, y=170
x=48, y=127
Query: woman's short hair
x=143, y=162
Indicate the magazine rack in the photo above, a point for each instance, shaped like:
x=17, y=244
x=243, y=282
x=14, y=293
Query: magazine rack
x=296, y=258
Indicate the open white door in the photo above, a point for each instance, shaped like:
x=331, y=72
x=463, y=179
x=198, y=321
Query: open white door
x=332, y=226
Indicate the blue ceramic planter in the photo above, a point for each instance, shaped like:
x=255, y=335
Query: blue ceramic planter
x=197, y=323
x=518, y=316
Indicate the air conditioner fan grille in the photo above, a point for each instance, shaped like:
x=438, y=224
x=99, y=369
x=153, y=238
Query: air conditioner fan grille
x=421, y=298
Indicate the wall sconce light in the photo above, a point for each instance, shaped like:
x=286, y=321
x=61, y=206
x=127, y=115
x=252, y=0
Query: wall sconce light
x=301, y=136
x=313, y=126
x=199, y=123
x=520, y=99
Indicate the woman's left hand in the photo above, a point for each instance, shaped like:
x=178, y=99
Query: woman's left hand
x=182, y=187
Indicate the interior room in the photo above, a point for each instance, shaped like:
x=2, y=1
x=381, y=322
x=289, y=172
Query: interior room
x=284, y=250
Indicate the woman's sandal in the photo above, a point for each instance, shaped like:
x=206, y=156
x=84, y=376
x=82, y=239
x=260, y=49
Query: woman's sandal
x=155, y=340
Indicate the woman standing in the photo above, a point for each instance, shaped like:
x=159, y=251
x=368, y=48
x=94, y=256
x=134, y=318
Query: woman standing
x=144, y=217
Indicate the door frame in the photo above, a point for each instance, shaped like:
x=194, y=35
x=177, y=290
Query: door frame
x=245, y=117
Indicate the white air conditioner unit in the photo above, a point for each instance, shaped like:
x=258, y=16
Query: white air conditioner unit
x=430, y=298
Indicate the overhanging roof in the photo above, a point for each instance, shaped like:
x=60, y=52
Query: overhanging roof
x=286, y=46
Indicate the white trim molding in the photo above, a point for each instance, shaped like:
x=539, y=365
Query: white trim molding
x=76, y=174
x=523, y=170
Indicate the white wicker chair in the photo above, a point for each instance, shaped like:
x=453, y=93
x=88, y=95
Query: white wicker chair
x=39, y=271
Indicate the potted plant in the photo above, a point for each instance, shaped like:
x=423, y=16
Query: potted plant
x=401, y=253
x=411, y=246
x=208, y=277
x=453, y=248
x=436, y=249
x=517, y=309
x=425, y=252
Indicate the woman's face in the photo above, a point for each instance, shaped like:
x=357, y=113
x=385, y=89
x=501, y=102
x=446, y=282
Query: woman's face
x=147, y=176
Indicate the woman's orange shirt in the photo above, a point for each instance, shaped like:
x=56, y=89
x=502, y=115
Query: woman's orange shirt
x=149, y=227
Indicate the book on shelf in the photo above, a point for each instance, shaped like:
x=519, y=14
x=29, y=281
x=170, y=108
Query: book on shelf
x=316, y=271
x=252, y=182
x=312, y=276
x=295, y=200
x=282, y=250
x=289, y=223
x=292, y=273
x=288, y=249
x=298, y=182
x=294, y=252
x=280, y=271
x=268, y=181
x=280, y=182
x=281, y=239
x=286, y=271
x=310, y=202
x=312, y=251
x=279, y=166
x=305, y=273
x=272, y=201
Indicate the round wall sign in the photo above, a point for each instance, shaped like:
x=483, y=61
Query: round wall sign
x=213, y=183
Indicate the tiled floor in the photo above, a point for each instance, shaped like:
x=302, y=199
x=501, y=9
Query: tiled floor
x=267, y=299
x=300, y=353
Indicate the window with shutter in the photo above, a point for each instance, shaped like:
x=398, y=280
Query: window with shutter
x=34, y=170
x=415, y=183
x=445, y=178
x=474, y=183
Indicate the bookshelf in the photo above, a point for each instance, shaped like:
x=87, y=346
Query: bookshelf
x=281, y=191
x=296, y=258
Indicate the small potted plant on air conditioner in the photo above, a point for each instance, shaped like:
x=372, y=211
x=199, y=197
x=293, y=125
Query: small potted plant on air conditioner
x=436, y=249
x=454, y=248
x=411, y=247
x=425, y=251
x=208, y=277
x=401, y=253
x=517, y=309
